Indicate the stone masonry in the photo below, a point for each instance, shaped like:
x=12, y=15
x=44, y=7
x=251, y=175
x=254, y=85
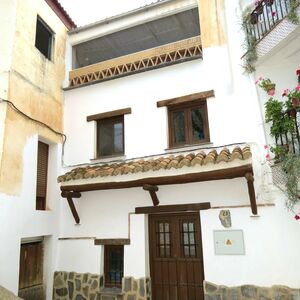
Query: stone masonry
x=249, y=292
x=77, y=286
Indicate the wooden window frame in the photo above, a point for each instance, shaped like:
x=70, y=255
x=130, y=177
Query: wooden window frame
x=42, y=23
x=187, y=108
x=41, y=188
x=102, y=122
x=107, y=249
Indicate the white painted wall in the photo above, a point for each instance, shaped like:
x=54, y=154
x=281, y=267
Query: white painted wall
x=19, y=219
x=271, y=247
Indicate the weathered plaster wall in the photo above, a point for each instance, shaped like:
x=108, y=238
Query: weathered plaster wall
x=7, y=28
x=34, y=87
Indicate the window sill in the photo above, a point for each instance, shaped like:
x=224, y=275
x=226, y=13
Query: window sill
x=189, y=147
x=112, y=158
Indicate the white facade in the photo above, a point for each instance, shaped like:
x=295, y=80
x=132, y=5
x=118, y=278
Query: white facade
x=234, y=117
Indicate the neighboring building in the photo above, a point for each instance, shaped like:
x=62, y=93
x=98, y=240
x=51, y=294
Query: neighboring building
x=165, y=133
x=32, y=70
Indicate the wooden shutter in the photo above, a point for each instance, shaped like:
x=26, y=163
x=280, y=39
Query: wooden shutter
x=42, y=170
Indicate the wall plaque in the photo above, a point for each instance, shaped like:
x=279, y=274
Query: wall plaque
x=225, y=218
x=229, y=242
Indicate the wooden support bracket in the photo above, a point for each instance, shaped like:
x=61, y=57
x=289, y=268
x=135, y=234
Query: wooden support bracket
x=70, y=196
x=250, y=179
x=152, y=189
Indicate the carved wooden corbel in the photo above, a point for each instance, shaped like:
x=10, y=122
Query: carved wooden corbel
x=250, y=179
x=152, y=189
x=69, y=196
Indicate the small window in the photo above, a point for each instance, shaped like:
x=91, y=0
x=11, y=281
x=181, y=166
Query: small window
x=113, y=265
x=110, y=136
x=43, y=38
x=188, y=124
x=41, y=180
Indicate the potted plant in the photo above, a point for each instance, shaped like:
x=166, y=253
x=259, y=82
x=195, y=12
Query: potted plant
x=267, y=85
x=293, y=97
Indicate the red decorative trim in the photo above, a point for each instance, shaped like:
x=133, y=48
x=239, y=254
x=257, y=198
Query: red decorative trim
x=61, y=13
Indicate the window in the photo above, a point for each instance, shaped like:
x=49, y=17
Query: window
x=113, y=265
x=41, y=179
x=188, y=124
x=110, y=136
x=43, y=38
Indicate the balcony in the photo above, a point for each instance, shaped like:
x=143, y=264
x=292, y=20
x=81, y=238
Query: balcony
x=269, y=24
x=149, y=59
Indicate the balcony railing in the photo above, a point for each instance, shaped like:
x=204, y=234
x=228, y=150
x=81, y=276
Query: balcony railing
x=289, y=139
x=266, y=15
x=137, y=62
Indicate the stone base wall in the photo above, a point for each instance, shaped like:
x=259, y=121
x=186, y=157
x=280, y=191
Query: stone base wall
x=77, y=286
x=136, y=289
x=249, y=292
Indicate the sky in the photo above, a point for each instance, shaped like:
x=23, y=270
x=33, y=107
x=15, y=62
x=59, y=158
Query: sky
x=89, y=11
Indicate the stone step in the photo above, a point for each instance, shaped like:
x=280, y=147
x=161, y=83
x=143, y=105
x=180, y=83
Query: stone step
x=110, y=294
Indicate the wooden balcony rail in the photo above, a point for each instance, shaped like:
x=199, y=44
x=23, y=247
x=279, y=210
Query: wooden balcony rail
x=137, y=62
x=266, y=15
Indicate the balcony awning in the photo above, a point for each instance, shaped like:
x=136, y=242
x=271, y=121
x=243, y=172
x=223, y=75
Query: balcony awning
x=165, y=170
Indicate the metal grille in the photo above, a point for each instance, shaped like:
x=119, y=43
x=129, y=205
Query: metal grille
x=188, y=242
x=279, y=177
x=163, y=238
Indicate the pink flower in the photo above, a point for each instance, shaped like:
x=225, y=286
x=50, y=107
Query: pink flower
x=297, y=88
x=268, y=157
x=259, y=79
x=297, y=217
x=266, y=146
x=298, y=72
x=285, y=92
x=273, y=13
x=271, y=92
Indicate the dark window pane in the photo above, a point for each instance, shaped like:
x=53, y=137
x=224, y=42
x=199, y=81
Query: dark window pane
x=43, y=39
x=114, y=265
x=118, y=140
x=106, y=139
x=110, y=137
x=197, y=124
x=179, y=127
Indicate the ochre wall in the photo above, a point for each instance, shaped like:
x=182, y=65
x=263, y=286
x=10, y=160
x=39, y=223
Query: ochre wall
x=211, y=14
x=35, y=87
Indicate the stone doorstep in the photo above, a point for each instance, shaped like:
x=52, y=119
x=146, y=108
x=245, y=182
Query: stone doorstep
x=111, y=294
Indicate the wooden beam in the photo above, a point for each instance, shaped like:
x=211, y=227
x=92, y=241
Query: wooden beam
x=98, y=242
x=66, y=194
x=109, y=114
x=228, y=173
x=187, y=98
x=73, y=210
x=172, y=208
x=152, y=189
x=250, y=179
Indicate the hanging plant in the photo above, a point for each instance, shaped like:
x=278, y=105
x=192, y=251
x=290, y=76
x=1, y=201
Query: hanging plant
x=293, y=14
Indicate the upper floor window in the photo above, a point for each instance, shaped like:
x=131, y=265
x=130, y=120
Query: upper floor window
x=188, y=124
x=110, y=132
x=44, y=38
x=41, y=178
x=110, y=136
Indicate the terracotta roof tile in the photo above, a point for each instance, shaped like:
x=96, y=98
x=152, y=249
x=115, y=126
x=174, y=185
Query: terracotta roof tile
x=161, y=163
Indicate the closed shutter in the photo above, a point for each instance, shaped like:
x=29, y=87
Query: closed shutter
x=42, y=170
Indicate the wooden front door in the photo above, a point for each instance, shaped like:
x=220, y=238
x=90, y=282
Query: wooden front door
x=176, y=260
x=31, y=272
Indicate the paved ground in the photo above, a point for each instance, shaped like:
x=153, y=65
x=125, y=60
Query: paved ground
x=7, y=295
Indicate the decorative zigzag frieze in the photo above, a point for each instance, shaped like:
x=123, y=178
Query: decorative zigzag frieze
x=138, y=62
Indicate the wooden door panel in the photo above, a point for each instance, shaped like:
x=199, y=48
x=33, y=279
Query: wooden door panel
x=176, y=262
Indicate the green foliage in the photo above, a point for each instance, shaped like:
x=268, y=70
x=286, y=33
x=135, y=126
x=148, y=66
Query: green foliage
x=292, y=15
x=291, y=165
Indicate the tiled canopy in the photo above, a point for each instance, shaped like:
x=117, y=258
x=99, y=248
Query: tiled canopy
x=155, y=164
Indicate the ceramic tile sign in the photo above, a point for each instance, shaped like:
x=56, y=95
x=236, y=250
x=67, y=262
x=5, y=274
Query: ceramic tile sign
x=229, y=242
